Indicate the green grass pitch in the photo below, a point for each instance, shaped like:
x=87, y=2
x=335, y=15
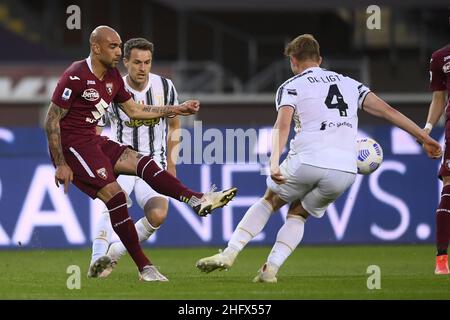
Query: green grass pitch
x=312, y=272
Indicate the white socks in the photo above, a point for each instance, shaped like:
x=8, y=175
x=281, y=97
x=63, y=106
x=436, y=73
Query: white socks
x=251, y=224
x=288, y=238
x=103, y=237
x=144, y=230
x=101, y=243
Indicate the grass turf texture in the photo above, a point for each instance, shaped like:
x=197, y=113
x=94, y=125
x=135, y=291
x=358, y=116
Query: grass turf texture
x=312, y=272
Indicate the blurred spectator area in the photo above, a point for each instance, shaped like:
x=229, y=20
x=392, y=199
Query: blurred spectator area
x=228, y=53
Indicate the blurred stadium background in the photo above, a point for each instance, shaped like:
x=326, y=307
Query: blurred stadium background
x=227, y=54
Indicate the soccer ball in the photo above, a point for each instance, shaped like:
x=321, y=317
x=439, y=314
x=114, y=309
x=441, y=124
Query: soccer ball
x=370, y=155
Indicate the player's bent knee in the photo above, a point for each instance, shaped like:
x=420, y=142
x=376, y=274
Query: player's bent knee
x=157, y=217
x=110, y=190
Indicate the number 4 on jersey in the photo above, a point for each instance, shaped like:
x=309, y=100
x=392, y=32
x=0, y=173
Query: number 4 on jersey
x=335, y=100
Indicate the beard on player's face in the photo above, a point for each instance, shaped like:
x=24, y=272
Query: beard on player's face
x=109, y=61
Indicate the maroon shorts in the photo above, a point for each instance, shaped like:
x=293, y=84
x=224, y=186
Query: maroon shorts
x=93, y=164
x=444, y=171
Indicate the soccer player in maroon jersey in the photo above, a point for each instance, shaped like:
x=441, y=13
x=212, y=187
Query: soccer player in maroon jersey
x=440, y=85
x=93, y=162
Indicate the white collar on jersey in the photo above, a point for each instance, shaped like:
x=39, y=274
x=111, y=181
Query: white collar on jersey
x=89, y=63
x=311, y=68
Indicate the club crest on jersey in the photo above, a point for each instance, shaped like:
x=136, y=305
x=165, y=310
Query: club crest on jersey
x=90, y=94
x=102, y=173
x=109, y=88
x=446, y=67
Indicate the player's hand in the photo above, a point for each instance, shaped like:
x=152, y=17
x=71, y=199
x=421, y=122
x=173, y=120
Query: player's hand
x=188, y=107
x=276, y=175
x=432, y=148
x=63, y=175
x=427, y=132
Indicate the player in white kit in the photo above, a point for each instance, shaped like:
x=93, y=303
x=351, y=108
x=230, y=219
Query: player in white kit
x=149, y=137
x=321, y=163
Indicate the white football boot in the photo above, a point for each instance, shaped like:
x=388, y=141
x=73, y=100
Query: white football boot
x=151, y=273
x=267, y=273
x=212, y=200
x=99, y=266
x=219, y=261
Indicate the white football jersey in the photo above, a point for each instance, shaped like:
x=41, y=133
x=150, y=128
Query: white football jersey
x=146, y=136
x=325, y=116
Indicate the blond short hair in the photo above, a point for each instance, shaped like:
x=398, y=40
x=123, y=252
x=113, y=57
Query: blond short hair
x=304, y=47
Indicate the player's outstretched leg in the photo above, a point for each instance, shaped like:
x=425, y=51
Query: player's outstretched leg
x=165, y=183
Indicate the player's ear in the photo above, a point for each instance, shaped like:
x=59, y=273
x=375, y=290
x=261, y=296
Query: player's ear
x=292, y=60
x=320, y=60
x=125, y=62
x=96, y=48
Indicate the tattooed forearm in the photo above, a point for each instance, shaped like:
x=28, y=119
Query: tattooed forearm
x=52, y=129
x=162, y=110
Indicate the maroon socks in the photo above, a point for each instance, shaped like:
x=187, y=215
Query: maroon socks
x=124, y=227
x=443, y=222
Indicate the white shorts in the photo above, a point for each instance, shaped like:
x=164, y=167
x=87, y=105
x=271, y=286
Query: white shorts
x=315, y=187
x=142, y=191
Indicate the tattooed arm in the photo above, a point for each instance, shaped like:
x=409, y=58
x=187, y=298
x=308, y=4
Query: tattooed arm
x=137, y=111
x=63, y=172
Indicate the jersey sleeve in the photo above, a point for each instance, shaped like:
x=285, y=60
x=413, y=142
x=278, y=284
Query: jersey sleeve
x=363, y=91
x=437, y=77
x=286, y=96
x=173, y=94
x=67, y=90
x=122, y=94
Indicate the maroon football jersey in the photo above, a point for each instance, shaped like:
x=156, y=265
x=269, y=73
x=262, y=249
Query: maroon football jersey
x=86, y=97
x=440, y=70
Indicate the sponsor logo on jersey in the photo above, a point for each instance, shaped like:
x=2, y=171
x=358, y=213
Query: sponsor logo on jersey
x=133, y=123
x=74, y=78
x=109, y=88
x=102, y=173
x=446, y=67
x=90, y=94
x=90, y=82
x=66, y=94
x=325, y=124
